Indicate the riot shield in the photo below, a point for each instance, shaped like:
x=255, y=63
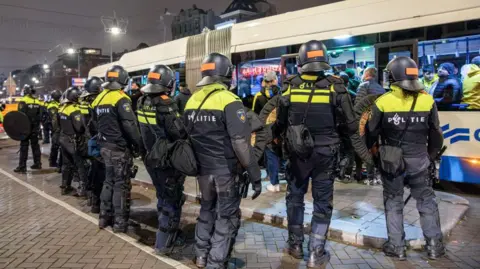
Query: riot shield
x=17, y=125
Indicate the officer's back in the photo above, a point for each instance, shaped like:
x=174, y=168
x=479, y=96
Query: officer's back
x=210, y=139
x=395, y=106
x=31, y=106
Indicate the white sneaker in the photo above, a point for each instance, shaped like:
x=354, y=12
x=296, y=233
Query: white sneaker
x=272, y=188
x=277, y=187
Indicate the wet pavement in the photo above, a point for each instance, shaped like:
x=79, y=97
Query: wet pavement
x=258, y=245
x=358, y=215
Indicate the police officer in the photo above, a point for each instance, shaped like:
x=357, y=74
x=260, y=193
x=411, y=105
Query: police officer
x=407, y=117
x=96, y=172
x=52, y=109
x=46, y=123
x=157, y=116
x=312, y=99
x=32, y=107
x=120, y=141
x=220, y=134
x=71, y=125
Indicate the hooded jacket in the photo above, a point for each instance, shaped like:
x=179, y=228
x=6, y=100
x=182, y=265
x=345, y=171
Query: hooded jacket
x=471, y=88
x=448, y=90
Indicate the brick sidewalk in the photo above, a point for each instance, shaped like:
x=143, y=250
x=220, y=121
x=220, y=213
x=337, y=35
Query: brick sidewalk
x=258, y=245
x=37, y=233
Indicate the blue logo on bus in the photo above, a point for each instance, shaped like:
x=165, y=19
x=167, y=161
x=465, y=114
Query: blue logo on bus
x=459, y=134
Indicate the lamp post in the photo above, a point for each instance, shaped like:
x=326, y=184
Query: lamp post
x=72, y=51
x=114, y=26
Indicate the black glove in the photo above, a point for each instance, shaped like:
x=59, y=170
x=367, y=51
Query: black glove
x=256, y=178
x=257, y=188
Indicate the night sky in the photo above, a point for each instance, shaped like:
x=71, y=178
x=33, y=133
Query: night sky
x=30, y=28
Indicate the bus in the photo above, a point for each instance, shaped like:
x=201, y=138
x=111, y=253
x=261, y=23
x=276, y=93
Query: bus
x=362, y=32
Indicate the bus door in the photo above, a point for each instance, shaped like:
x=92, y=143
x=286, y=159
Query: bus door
x=288, y=64
x=385, y=52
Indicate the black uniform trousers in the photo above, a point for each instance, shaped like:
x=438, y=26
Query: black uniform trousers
x=96, y=177
x=219, y=219
x=47, y=128
x=170, y=199
x=55, y=153
x=320, y=169
x=32, y=140
x=416, y=177
x=72, y=162
x=115, y=196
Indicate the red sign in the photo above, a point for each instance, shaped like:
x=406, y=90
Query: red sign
x=258, y=70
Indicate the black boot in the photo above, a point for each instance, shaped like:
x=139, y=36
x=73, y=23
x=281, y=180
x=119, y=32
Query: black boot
x=398, y=252
x=435, y=249
x=318, y=257
x=67, y=190
x=53, y=165
x=104, y=220
x=120, y=225
x=295, y=250
x=20, y=170
x=36, y=166
x=201, y=262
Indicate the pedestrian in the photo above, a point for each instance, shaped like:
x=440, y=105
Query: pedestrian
x=53, y=108
x=220, y=135
x=471, y=85
x=448, y=90
x=268, y=91
x=120, y=142
x=182, y=98
x=134, y=95
x=369, y=86
x=32, y=107
x=159, y=118
x=46, y=123
x=96, y=171
x=71, y=128
x=306, y=118
x=407, y=120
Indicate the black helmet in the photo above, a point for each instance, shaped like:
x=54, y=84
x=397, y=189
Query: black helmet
x=92, y=86
x=216, y=68
x=313, y=57
x=71, y=95
x=28, y=90
x=56, y=95
x=116, y=78
x=402, y=72
x=160, y=79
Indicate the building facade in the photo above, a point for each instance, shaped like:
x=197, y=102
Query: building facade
x=192, y=22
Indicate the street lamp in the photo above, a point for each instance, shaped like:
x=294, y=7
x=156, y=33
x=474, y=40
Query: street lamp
x=34, y=79
x=114, y=26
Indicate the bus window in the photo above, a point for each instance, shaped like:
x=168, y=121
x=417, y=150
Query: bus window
x=444, y=65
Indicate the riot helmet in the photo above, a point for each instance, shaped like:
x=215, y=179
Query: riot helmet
x=116, y=78
x=313, y=57
x=216, y=68
x=56, y=95
x=28, y=90
x=402, y=72
x=160, y=79
x=71, y=95
x=92, y=86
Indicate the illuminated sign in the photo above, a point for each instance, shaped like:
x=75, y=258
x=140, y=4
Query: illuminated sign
x=258, y=70
x=92, y=51
x=78, y=82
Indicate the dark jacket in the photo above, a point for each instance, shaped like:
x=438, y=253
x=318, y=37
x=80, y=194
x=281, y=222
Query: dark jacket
x=448, y=90
x=369, y=87
x=134, y=97
x=181, y=100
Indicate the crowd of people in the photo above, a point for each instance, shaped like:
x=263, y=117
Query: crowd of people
x=306, y=129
